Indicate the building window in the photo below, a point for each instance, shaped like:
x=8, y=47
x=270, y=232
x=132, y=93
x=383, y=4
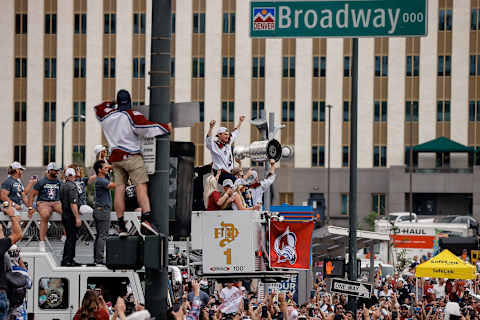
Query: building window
x=286, y=198
x=380, y=112
x=58, y=288
x=474, y=65
x=378, y=203
x=228, y=67
x=51, y=23
x=346, y=111
x=288, y=67
x=20, y=154
x=474, y=21
x=345, y=203
x=228, y=111
x=79, y=67
x=172, y=67
x=411, y=111
x=381, y=66
x=20, y=113
x=288, y=111
x=380, y=156
x=319, y=66
x=78, y=154
x=345, y=156
x=110, y=23
x=199, y=23
x=407, y=157
x=318, y=156
x=139, y=23
x=80, y=23
x=444, y=65
x=474, y=111
x=50, y=65
x=109, y=67
x=258, y=67
x=21, y=26
x=443, y=111
x=445, y=20
x=173, y=22
x=202, y=111
x=48, y=154
x=413, y=65
x=318, y=111
x=198, y=68
x=257, y=108
x=78, y=110
x=229, y=23
x=347, y=68
x=49, y=111
x=139, y=67
x=20, y=67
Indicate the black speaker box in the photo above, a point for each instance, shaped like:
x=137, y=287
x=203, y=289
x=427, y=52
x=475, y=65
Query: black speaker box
x=124, y=253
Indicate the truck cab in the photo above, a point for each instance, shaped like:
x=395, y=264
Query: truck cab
x=57, y=292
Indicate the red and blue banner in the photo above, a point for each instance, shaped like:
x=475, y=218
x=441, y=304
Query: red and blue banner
x=294, y=213
x=290, y=244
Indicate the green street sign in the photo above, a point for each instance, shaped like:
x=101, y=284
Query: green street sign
x=338, y=18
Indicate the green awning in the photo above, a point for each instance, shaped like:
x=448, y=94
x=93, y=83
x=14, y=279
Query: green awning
x=442, y=144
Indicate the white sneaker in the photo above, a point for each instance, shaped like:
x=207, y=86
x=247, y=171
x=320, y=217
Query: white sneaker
x=63, y=238
x=41, y=246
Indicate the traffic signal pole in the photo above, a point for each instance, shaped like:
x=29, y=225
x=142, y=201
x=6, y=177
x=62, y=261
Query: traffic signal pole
x=352, y=210
x=156, y=286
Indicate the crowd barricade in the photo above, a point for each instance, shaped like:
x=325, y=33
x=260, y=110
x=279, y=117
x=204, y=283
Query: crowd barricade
x=86, y=233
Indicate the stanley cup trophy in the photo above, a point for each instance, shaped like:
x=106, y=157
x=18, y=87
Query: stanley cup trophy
x=262, y=151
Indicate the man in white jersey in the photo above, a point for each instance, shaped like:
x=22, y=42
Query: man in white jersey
x=221, y=149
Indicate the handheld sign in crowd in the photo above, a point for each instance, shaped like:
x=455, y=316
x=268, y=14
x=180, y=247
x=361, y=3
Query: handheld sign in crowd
x=351, y=288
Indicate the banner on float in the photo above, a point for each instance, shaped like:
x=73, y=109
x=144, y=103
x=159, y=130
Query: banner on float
x=290, y=245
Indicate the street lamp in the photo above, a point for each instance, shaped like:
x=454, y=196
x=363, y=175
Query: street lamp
x=329, y=106
x=64, y=123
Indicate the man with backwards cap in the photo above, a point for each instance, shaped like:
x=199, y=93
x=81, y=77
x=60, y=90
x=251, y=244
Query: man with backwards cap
x=257, y=188
x=123, y=129
x=12, y=192
x=48, y=200
x=221, y=149
x=71, y=217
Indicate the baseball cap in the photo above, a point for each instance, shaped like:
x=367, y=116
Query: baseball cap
x=227, y=183
x=16, y=165
x=222, y=130
x=98, y=148
x=240, y=182
x=52, y=166
x=70, y=172
x=252, y=177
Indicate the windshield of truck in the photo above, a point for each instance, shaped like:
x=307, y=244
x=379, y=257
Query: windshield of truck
x=110, y=287
x=387, y=271
x=446, y=219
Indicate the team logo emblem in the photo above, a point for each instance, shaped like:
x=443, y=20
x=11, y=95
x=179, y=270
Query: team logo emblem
x=285, y=247
x=263, y=19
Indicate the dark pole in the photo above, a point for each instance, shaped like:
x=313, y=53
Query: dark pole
x=157, y=281
x=329, y=106
x=352, y=217
x=63, y=144
x=410, y=165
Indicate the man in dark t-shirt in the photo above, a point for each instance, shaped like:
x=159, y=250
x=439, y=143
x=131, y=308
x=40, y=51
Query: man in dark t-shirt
x=5, y=244
x=12, y=190
x=70, y=217
x=48, y=200
x=103, y=208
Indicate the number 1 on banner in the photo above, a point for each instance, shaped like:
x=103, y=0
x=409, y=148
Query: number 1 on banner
x=228, y=253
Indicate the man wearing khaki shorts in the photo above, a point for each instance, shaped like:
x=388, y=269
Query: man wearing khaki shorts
x=123, y=128
x=48, y=201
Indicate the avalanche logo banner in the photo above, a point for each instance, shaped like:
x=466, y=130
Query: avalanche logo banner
x=290, y=244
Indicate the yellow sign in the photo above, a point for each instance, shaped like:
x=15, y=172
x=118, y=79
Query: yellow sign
x=227, y=232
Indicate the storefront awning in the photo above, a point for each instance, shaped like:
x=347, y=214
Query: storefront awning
x=442, y=144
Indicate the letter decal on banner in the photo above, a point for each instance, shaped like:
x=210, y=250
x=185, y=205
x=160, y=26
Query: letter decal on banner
x=290, y=244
